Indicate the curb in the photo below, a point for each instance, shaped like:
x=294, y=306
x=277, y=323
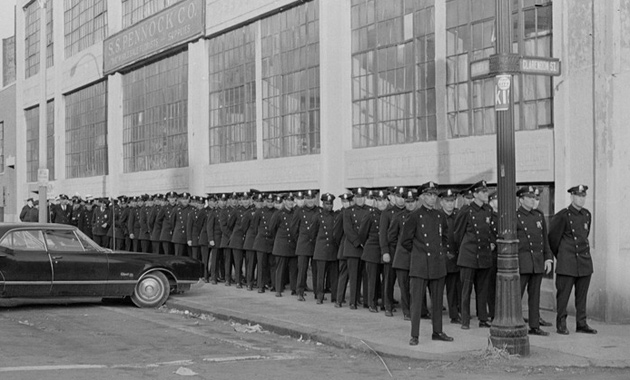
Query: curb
x=324, y=337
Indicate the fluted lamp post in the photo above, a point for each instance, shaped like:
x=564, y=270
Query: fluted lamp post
x=42, y=172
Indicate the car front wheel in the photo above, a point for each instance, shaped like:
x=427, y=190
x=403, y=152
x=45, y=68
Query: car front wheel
x=151, y=291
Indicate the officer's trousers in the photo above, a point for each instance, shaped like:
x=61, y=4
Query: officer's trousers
x=418, y=292
x=403, y=284
x=282, y=263
x=532, y=281
x=453, y=294
x=564, y=285
x=479, y=278
x=326, y=269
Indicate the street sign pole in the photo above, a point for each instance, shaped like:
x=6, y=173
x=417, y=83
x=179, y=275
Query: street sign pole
x=43, y=122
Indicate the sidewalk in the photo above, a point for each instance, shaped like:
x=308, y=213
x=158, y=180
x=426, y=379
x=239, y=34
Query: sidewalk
x=359, y=329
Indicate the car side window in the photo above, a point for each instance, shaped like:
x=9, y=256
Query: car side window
x=27, y=240
x=63, y=241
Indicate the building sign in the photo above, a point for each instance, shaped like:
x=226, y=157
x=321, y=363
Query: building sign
x=174, y=26
x=502, y=92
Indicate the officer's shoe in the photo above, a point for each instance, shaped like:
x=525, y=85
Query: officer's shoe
x=466, y=326
x=278, y=294
x=301, y=298
x=441, y=336
x=537, y=331
x=586, y=329
x=426, y=316
x=542, y=322
x=250, y=287
x=406, y=317
x=261, y=290
x=484, y=324
x=353, y=306
x=456, y=321
x=239, y=286
x=337, y=305
x=389, y=313
x=413, y=341
x=562, y=331
x=319, y=302
x=373, y=309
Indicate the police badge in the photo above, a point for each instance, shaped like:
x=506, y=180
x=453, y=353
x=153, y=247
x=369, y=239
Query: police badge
x=487, y=219
x=539, y=224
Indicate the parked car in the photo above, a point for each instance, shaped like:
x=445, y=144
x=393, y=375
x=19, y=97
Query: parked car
x=40, y=260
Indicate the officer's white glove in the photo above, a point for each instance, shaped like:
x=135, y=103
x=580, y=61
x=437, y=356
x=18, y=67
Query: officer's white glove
x=131, y=236
x=190, y=243
x=212, y=243
x=386, y=258
x=548, y=265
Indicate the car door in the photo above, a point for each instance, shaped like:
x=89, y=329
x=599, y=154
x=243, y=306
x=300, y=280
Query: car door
x=25, y=265
x=77, y=271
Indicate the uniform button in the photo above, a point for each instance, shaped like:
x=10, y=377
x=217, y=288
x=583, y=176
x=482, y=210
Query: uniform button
x=428, y=254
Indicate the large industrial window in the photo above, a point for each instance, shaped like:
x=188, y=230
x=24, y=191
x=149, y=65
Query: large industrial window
x=233, y=96
x=393, y=72
x=31, y=116
x=32, y=141
x=86, y=132
x=533, y=93
x=155, y=110
x=137, y=10
x=85, y=24
x=470, y=36
x=290, y=80
x=31, y=41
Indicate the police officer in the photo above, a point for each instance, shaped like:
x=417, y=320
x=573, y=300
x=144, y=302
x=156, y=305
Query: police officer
x=347, y=201
x=100, y=222
x=397, y=204
x=166, y=234
x=237, y=238
x=61, y=213
x=144, y=235
x=353, y=248
x=452, y=280
x=250, y=237
x=401, y=259
x=568, y=239
x=156, y=219
x=213, y=226
x=425, y=236
x=326, y=229
x=195, y=226
x=493, y=202
x=133, y=223
x=369, y=233
x=85, y=221
x=179, y=221
x=534, y=254
x=263, y=242
x=305, y=242
x=285, y=232
x=476, y=237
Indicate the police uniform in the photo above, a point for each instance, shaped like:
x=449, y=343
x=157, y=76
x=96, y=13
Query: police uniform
x=195, y=224
x=215, y=234
x=250, y=237
x=389, y=274
x=133, y=224
x=305, y=244
x=475, y=235
x=342, y=278
x=285, y=239
x=326, y=229
x=263, y=243
x=424, y=236
x=533, y=253
x=568, y=239
x=61, y=213
x=353, y=249
x=156, y=218
x=204, y=241
x=115, y=231
x=166, y=234
x=452, y=281
x=400, y=261
x=144, y=235
x=369, y=233
x=100, y=223
x=224, y=215
x=237, y=241
x=179, y=221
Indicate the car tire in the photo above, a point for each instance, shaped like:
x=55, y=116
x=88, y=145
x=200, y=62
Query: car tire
x=151, y=291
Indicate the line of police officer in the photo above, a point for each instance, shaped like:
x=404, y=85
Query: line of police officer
x=377, y=237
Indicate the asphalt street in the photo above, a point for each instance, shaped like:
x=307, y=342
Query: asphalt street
x=92, y=340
